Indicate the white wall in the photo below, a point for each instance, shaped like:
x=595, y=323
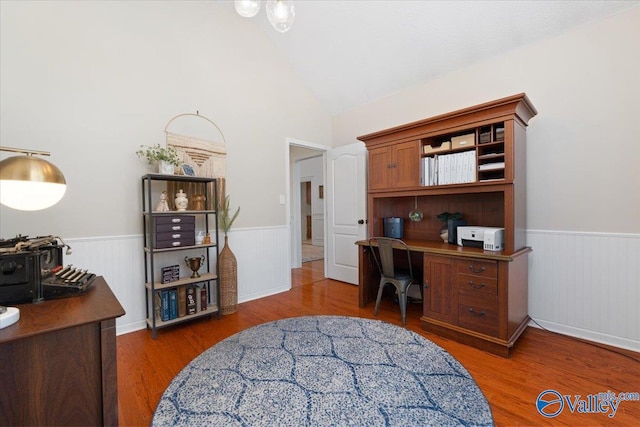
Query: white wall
x=583, y=182
x=92, y=81
x=582, y=146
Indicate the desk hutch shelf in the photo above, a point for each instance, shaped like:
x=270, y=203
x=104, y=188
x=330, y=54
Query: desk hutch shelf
x=470, y=161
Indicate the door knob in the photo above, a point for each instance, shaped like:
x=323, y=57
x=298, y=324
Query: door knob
x=361, y=221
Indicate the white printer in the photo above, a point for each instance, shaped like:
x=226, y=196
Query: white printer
x=487, y=238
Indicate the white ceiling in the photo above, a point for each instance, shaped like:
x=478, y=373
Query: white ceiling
x=353, y=52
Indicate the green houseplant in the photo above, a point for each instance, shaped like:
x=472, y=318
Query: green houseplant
x=446, y=217
x=165, y=157
x=225, y=220
x=228, y=262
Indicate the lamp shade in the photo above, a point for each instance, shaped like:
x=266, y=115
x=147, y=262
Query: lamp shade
x=30, y=183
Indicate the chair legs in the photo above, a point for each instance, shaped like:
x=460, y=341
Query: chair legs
x=402, y=299
x=402, y=296
x=379, y=298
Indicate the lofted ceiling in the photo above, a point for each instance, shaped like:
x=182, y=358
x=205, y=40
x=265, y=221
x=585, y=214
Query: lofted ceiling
x=353, y=52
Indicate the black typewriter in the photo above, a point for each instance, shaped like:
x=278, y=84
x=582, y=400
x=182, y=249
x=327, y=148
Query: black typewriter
x=31, y=270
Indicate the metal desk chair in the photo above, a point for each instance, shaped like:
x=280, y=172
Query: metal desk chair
x=389, y=274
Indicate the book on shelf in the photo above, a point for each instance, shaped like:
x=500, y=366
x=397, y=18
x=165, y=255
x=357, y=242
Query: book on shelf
x=158, y=298
x=182, y=301
x=191, y=299
x=204, y=301
x=164, y=311
x=173, y=304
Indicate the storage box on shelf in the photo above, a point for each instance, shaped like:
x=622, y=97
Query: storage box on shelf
x=470, y=161
x=170, y=244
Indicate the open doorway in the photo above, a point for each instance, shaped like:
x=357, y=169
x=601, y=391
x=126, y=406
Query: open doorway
x=308, y=230
x=311, y=224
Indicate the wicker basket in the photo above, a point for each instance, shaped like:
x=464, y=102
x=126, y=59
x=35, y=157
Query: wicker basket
x=228, y=280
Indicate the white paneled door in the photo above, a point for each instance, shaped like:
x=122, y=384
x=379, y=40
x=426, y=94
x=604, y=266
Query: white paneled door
x=346, y=210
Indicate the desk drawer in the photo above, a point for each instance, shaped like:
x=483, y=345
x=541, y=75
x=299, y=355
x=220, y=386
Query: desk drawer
x=478, y=267
x=478, y=312
x=175, y=219
x=175, y=240
x=473, y=284
x=175, y=227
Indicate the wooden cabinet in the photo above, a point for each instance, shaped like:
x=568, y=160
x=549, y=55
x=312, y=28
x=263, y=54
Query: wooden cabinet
x=471, y=161
x=58, y=363
x=462, y=292
x=394, y=166
x=480, y=300
x=439, y=278
x=169, y=241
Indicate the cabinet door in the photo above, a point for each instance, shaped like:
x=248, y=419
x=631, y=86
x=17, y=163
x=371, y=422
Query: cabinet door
x=440, y=292
x=406, y=165
x=380, y=160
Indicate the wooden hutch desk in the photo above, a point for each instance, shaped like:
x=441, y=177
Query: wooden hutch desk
x=58, y=363
x=471, y=161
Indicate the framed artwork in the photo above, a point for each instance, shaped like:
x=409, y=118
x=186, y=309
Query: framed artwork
x=188, y=170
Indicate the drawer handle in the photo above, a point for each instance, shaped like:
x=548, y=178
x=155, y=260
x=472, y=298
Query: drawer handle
x=477, y=313
x=476, y=285
x=175, y=244
x=176, y=236
x=176, y=227
x=473, y=270
x=176, y=220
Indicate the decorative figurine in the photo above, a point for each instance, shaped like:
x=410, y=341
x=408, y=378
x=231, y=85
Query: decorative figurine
x=163, y=206
x=197, y=202
x=181, y=201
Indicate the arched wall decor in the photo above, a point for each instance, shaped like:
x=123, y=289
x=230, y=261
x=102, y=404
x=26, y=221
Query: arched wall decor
x=207, y=157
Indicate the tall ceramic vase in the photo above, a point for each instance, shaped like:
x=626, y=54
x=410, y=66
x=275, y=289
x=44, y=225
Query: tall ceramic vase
x=228, y=280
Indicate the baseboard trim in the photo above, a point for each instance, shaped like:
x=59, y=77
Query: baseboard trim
x=586, y=335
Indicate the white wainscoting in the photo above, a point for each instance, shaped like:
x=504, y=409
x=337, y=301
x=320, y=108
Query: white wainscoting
x=263, y=267
x=586, y=285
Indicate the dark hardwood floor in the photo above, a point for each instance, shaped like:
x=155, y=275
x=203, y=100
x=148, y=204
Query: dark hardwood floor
x=540, y=361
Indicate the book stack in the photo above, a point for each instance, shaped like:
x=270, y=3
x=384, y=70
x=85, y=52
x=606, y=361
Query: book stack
x=182, y=301
x=454, y=168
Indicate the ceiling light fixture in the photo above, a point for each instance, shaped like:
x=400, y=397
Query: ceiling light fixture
x=280, y=13
x=29, y=183
x=247, y=8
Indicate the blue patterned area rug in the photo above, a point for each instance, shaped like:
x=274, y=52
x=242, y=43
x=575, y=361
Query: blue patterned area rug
x=323, y=371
